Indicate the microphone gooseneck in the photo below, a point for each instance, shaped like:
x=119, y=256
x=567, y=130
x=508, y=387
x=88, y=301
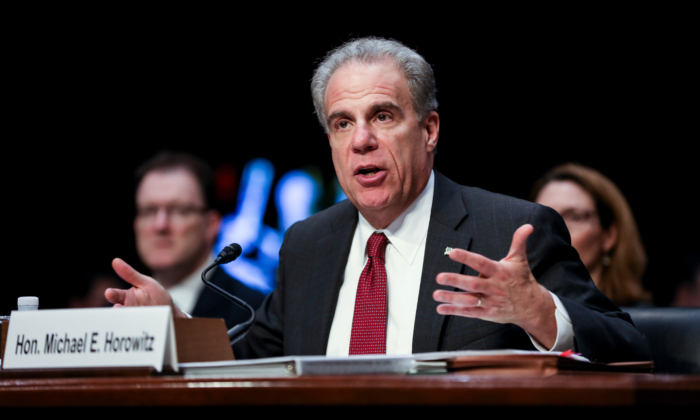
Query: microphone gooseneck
x=228, y=254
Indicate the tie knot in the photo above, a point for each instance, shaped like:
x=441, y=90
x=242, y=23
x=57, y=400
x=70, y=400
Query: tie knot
x=376, y=245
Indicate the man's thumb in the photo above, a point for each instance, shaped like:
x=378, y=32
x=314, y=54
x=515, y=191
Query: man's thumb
x=518, y=247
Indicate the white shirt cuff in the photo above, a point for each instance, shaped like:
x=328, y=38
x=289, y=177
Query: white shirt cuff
x=565, y=331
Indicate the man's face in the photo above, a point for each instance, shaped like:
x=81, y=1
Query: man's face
x=173, y=229
x=382, y=153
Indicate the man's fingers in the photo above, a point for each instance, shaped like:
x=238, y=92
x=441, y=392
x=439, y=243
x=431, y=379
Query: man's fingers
x=483, y=265
x=130, y=275
x=466, y=283
x=115, y=296
x=458, y=298
x=518, y=247
x=447, y=309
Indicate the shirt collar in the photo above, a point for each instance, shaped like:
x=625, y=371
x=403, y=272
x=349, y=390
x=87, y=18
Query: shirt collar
x=196, y=276
x=186, y=293
x=409, y=230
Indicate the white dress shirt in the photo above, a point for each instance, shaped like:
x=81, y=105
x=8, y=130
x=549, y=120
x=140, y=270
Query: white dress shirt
x=404, y=265
x=186, y=293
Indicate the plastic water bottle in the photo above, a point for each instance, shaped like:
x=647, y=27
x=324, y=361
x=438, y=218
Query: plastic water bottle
x=27, y=303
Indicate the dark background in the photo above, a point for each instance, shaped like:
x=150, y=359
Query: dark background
x=85, y=109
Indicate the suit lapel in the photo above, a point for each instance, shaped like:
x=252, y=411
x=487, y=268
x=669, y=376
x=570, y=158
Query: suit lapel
x=327, y=278
x=447, y=214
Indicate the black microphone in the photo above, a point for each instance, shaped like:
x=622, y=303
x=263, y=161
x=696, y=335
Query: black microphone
x=228, y=254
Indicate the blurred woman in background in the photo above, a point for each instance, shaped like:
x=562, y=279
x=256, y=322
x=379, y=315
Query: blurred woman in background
x=602, y=229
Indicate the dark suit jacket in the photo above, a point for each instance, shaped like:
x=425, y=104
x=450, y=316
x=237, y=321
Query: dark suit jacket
x=212, y=305
x=296, y=318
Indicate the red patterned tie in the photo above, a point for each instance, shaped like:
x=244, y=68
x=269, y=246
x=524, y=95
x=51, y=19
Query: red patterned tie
x=369, y=321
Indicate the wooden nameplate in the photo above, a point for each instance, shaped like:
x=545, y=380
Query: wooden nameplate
x=202, y=340
x=3, y=337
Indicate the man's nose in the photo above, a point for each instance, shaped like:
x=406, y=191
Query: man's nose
x=364, y=139
x=162, y=220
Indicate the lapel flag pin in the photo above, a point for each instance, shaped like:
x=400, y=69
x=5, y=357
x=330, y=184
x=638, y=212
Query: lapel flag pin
x=447, y=250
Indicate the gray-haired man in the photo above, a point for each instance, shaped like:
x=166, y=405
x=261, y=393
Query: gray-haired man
x=413, y=262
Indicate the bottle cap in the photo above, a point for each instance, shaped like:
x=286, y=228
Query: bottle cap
x=28, y=303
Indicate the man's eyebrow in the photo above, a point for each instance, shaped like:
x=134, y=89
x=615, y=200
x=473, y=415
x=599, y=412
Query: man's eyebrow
x=372, y=110
x=389, y=106
x=336, y=115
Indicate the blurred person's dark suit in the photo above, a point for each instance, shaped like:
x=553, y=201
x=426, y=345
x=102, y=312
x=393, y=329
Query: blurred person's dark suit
x=212, y=305
x=296, y=318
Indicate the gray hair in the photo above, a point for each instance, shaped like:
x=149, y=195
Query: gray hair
x=418, y=73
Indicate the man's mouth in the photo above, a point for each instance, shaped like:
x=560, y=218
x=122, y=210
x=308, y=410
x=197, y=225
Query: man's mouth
x=368, y=171
x=370, y=176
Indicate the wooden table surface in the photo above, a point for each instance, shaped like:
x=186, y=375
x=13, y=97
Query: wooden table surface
x=583, y=390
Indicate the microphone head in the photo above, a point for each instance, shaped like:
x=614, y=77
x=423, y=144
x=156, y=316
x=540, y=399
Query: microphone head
x=229, y=253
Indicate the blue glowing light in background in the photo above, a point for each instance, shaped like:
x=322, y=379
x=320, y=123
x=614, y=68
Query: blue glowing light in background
x=296, y=196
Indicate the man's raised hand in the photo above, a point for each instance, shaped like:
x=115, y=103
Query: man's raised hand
x=145, y=291
x=505, y=291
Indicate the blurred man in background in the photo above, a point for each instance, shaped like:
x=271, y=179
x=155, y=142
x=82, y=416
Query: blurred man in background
x=176, y=228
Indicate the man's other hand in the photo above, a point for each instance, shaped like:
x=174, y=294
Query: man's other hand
x=145, y=291
x=505, y=291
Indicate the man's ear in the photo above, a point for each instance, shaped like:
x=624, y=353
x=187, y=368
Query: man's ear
x=431, y=130
x=609, y=238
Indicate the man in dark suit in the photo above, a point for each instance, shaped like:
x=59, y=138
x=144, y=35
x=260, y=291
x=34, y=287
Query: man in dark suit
x=413, y=262
x=176, y=228
x=297, y=317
